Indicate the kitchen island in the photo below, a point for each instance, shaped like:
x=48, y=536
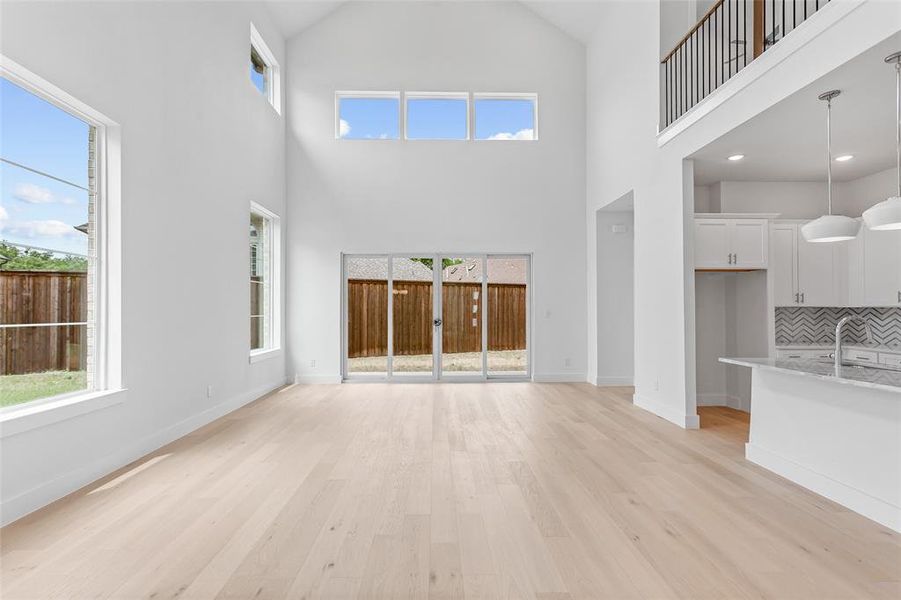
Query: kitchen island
x=838, y=435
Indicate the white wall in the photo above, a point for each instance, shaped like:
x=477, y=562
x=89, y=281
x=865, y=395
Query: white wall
x=199, y=143
x=797, y=199
x=395, y=196
x=615, y=306
x=623, y=155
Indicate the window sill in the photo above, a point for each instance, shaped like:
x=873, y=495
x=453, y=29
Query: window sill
x=260, y=355
x=27, y=417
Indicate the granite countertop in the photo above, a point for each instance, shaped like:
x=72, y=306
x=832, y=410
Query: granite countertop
x=881, y=379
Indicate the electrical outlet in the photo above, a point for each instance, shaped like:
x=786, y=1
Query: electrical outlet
x=567, y=362
x=313, y=364
x=209, y=391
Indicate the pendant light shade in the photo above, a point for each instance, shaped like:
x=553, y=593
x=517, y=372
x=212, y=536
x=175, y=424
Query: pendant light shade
x=887, y=214
x=829, y=227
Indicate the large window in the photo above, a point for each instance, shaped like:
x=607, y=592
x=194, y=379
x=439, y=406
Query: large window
x=506, y=117
x=367, y=115
x=264, y=274
x=264, y=69
x=50, y=256
x=437, y=116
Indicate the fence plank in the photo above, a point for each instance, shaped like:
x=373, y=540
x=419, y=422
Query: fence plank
x=42, y=297
x=412, y=301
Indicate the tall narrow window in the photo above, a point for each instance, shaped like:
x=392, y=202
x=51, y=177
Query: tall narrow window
x=506, y=117
x=264, y=69
x=48, y=242
x=367, y=115
x=264, y=270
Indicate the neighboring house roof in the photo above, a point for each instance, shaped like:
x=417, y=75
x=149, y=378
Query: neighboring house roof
x=500, y=270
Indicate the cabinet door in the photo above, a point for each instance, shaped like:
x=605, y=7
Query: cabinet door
x=817, y=273
x=711, y=243
x=882, y=268
x=749, y=243
x=783, y=263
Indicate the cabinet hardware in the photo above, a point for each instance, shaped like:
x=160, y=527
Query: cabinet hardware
x=735, y=258
x=802, y=297
x=899, y=297
x=797, y=298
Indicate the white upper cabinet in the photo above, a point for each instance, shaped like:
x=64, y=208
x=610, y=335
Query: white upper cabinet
x=804, y=274
x=881, y=268
x=725, y=244
x=784, y=263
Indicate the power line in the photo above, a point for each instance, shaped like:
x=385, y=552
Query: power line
x=21, y=166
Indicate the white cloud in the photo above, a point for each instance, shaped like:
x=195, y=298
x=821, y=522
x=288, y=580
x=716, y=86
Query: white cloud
x=343, y=128
x=33, y=229
x=4, y=216
x=522, y=134
x=33, y=194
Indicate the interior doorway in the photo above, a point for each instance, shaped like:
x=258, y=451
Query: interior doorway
x=397, y=328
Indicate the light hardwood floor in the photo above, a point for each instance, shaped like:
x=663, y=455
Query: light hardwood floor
x=544, y=491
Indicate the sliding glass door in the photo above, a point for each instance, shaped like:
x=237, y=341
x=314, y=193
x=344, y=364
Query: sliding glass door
x=428, y=317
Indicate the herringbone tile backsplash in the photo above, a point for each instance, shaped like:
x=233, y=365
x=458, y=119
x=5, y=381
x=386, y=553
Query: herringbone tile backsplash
x=804, y=325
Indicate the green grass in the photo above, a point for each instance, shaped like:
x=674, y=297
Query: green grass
x=16, y=389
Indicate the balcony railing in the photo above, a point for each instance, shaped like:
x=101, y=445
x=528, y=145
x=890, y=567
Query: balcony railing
x=719, y=46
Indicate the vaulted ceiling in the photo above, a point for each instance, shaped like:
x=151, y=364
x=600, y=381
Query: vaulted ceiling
x=578, y=18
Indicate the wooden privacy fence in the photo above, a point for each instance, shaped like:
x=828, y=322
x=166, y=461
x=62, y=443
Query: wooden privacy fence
x=42, y=297
x=461, y=313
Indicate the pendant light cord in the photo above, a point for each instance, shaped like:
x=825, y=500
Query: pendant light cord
x=898, y=119
x=829, y=151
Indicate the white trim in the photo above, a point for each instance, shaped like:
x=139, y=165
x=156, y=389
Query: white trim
x=857, y=500
x=476, y=96
x=560, y=378
x=31, y=415
x=37, y=497
x=274, y=342
x=407, y=96
x=665, y=412
x=340, y=95
x=613, y=381
x=264, y=354
x=107, y=266
x=274, y=82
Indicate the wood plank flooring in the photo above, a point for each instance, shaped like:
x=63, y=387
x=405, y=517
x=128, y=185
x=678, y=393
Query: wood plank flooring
x=507, y=490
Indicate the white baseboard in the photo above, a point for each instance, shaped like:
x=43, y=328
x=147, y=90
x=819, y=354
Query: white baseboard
x=37, y=497
x=316, y=379
x=613, y=381
x=860, y=502
x=560, y=378
x=665, y=412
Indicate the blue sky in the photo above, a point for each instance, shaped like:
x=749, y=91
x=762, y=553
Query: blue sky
x=435, y=118
x=36, y=210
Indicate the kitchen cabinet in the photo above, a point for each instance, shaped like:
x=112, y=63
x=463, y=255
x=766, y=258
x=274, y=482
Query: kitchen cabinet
x=804, y=273
x=731, y=243
x=881, y=268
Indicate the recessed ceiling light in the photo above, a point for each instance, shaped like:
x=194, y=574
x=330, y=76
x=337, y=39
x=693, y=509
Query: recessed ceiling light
x=735, y=157
x=844, y=157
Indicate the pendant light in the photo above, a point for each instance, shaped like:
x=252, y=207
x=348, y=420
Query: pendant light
x=830, y=227
x=887, y=214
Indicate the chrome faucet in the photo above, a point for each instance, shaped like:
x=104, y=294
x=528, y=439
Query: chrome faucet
x=838, y=339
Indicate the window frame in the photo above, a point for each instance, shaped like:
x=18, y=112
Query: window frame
x=340, y=95
x=532, y=96
x=272, y=347
x=407, y=96
x=106, y=381
x=273, y=79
